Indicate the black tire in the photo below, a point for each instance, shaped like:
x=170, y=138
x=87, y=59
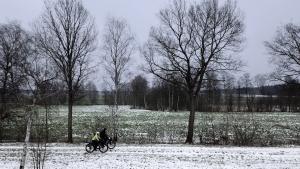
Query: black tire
x=89, y=148
x=103, y=148
x=111, y=144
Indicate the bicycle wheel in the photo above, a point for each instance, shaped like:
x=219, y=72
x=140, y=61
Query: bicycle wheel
x=103, y=148
x=111, y=144
x=89, y=148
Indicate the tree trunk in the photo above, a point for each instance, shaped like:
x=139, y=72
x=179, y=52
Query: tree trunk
x=172, y=99
x=116, y=99
x=3, y=98
x=177, y=104
x=115, y=110
x=169, y=92
x=28, y=131
x=145, y=102
x=46, y=118
x=70, y=112
x=189, y=138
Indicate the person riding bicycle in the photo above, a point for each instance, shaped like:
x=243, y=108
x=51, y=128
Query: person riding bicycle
x=96, y=140
x=103, y=136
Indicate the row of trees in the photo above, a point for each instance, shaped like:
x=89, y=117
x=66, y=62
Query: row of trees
x=245, y=94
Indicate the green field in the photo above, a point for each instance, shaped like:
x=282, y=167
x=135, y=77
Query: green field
x=143, y=126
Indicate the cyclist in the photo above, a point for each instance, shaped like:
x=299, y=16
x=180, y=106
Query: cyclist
x=103, y=136
x=96, y=140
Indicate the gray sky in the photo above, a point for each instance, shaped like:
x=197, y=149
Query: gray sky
x=262, y=19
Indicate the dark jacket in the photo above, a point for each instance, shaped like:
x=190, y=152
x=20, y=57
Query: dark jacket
x=103, y=134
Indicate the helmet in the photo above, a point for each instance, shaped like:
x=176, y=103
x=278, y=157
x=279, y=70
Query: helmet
x=97, y=132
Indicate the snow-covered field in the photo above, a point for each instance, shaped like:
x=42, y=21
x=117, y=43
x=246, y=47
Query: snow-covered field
x=63, y=156
x=146, y=126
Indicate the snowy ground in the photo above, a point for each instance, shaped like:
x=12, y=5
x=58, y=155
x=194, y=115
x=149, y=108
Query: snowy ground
x=158, y=126
x=62, y=156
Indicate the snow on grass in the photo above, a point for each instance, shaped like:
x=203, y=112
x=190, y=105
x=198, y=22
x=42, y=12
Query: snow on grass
x=158, y=156
x=162, y=127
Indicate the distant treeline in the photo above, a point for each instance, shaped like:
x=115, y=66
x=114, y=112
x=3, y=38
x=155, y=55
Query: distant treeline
x=216, y=95
x=56, y=95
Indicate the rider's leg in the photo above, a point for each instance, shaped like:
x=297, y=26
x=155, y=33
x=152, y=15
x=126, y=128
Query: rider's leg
x=102, y=142
x=95, y=143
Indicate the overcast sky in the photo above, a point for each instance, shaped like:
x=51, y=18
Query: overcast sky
x=262, y=19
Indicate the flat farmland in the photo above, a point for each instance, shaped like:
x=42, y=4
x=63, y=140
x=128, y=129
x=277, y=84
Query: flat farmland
x=145, y=126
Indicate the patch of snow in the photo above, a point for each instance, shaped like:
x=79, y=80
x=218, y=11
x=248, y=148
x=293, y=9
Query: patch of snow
x=124, y=156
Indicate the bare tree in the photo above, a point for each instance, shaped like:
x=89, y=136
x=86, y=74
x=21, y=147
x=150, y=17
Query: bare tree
x=139, y=87
x=285, y=51
x=91, y=93
x=66, y=33
x=17, y=51
x=191, y=41
x=229, y=82
x=247, y=85
x=260, y=82
x=118, y=47
x=239, y=95
x=213, y=96
x=40, y=77
x=13, y=52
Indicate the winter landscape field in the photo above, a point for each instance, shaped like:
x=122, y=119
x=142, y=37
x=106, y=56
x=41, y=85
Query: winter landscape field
x=143, y=131
x=145, y=126
x=65, y=156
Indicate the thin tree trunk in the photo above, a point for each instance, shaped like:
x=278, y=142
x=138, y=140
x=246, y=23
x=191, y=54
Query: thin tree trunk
x=169, y=92
x=172, y=99
x=177, y=104
x=115, y=110
x=145, y=102
x=46, y=118
x=28, y=131
x=116, y=99
x=70, y=112
x=189, y=138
